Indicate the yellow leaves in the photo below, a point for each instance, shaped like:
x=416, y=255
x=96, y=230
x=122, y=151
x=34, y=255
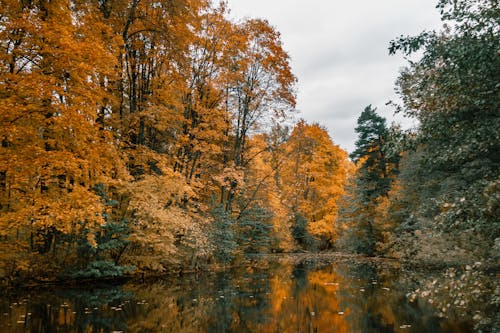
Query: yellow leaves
x=160, y=117
x=68, y=214
x=156, y=102
x=158, y=191
x=13, y=257
x=323, y=228
x=231, y=177
x=314, y=176
x=159, y=220
x=52, y=153
x=304, y=175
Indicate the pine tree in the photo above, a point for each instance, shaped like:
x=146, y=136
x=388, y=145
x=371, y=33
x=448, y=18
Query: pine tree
x=375, y=171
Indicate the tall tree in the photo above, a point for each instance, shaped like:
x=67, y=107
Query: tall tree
x=54, y=69
x=375, y=171
x=313, y=179
x=262, y=89
x=206, y=120
x=376, y=168
x=453, y=92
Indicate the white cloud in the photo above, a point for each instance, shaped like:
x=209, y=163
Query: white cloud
x=339, y=53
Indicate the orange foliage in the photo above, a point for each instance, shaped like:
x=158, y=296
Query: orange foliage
x=158, y=104
x=314, y=176
x=52, y=152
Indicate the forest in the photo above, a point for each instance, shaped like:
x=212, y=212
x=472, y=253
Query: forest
x=150, y=136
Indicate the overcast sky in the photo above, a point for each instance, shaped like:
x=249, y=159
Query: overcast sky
x=339, y=53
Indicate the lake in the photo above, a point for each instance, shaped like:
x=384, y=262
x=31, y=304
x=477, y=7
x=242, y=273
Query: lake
x=279, y=295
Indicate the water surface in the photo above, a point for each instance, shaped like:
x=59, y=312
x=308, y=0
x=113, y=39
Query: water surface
x=346, y=296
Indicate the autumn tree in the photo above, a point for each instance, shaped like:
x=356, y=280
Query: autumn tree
x=54, y=64
x=152, y=37
x=134, y=134
x=313, y=180
x=262, y=89
x=206, y=120
x=271, y=160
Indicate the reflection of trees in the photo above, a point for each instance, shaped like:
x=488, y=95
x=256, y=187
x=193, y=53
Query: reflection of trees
x=222, y=313
x=172, y=306
x=380, y=308
x=253, y=300
x=343, y=297
x=311, y=305
x=223, y=302
x=69, y=310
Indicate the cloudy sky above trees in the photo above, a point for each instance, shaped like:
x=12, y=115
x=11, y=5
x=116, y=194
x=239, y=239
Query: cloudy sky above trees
x=339, y=53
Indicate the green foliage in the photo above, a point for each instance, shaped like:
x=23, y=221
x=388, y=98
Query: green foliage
x=254, y=230
x=377, y=160
x=450, y=180
x=377, y=168
x=250, y=232
x=300, y=233
x=361, y=238
x=99, y=252
x=357, y=234
x=371, y=130
x=223, y=235
x=452, y=90
x=98, y=269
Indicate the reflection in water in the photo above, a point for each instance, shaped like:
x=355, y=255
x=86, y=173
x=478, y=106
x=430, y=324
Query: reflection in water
x=341, y=297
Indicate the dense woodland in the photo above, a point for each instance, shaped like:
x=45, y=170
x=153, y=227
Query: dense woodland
x=433, y=193
x=143, y=136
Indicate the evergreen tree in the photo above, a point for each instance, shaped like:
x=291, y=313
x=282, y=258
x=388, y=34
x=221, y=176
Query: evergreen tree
x=254, y=230
x=377, y=168
x=371, y=129
x=372, y=180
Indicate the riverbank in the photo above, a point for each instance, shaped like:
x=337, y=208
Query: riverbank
x=256, y=260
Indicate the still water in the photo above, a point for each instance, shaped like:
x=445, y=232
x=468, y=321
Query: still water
x=279, y=296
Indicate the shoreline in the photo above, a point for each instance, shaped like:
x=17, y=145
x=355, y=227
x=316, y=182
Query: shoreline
x=250, y=260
